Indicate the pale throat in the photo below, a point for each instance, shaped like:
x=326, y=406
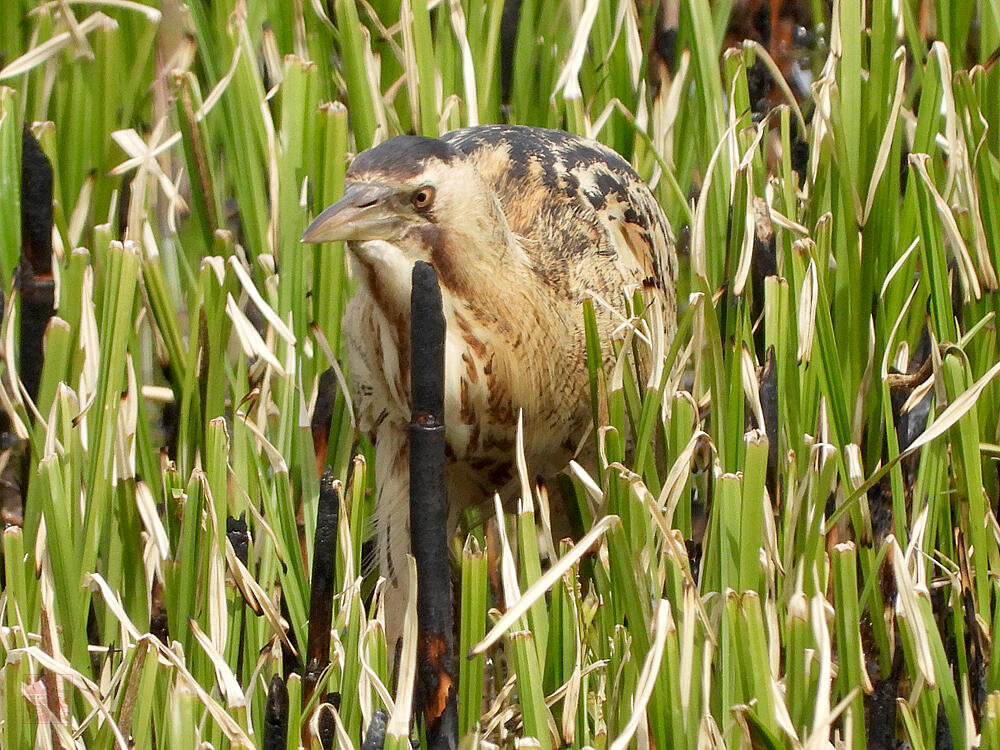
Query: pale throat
x=384, y=271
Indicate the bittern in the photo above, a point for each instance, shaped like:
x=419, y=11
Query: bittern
x=521, y=224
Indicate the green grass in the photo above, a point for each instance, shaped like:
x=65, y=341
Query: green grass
x=835, y=562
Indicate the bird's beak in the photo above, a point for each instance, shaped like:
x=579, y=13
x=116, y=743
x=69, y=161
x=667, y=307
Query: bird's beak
x=362, y=214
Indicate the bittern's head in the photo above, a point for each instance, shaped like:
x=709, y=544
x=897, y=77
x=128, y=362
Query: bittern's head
x=412, y=192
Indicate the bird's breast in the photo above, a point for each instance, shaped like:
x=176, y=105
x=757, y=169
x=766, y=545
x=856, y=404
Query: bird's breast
x=498, y=364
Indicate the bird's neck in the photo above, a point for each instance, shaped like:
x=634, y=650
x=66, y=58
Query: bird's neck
x=478, y=260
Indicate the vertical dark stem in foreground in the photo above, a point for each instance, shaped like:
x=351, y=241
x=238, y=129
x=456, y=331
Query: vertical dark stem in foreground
x=35, y=274
x=375, y=736
x=321, y=594
x=275, y=734
x=436, y=689
x=36, y=290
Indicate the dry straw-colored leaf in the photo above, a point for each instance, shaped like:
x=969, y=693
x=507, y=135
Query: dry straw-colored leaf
x=48, y=49
x=807, y=310
x=398, y=726
x=663, y=626
x=522, y=602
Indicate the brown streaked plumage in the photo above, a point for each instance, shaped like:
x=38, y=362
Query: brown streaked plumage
x=521, y=225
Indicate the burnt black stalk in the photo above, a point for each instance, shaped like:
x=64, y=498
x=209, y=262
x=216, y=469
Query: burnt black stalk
x=436, y=683
x=322, y=584
x=375, y=736
x=327, y=724
x=34, y=279
x=276, y=715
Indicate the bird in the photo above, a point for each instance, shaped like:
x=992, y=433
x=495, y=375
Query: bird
x=521, y=225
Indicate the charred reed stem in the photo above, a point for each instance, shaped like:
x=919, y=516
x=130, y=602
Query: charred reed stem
x=34, y=279
x=375, y=736
x=36, y=289
x=321, y=593
x=276, y=715
x=436, y=685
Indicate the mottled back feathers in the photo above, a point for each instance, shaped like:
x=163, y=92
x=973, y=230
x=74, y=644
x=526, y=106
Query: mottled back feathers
x=570, y=199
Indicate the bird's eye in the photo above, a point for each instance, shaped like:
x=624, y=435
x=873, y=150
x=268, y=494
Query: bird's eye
x=423, y=198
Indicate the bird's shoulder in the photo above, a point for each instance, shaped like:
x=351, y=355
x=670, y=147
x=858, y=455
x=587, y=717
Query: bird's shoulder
x=573, y=201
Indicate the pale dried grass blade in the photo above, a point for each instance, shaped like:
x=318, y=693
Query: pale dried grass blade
x=952, y=233
x=885, y=146
x=123, y=466
x=233, y=731
x=548, y=579
x=374, y=630
x=459, y=26
x=225, y=680
x=89, y=691
x=663, y=625
x=898, y=265
x=152, y=14
x=569, y=77
x=822, y=715
x=698, y=250
x=807, y=310
x=595, y=494
x=527, y=504
x=373, y=67
x=256, y=597
x=633, y=42
x=749, y=234
x=409, y=61
x=251, y=343
x=678, y=475
x=785, y=223
x=908, y=609
x=265, y=309
x=917, y=395
x=52, y=47
x=114, y=603
x=81, y=211
x=954, y=145
x=151, y=521
x=399, y=720
x=751, y=388
x=954, y=411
